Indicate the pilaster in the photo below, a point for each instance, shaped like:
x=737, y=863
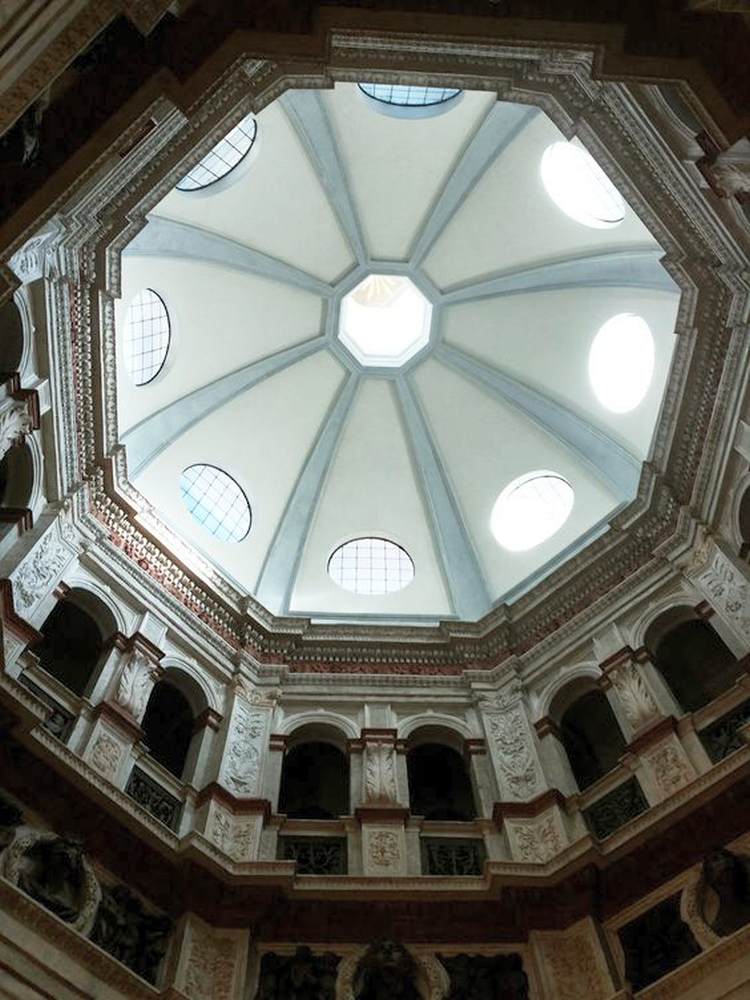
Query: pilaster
x=512, y=742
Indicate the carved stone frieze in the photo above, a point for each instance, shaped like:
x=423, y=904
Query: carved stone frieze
x=242, y=757
x=537, y=840
x=384, y=850
x=212, y=962
x=379, y=777
x=15, y=422
x=39, y=571
x=236, y=836
x=135, y=684
x=512, y=748
x=573, y=963
x=669, y=766
x=636, y=699
x=727, y=590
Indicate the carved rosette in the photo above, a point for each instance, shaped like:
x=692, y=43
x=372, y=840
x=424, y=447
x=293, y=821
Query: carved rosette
x=384, y=850
x=106, y=754
x=511, y=742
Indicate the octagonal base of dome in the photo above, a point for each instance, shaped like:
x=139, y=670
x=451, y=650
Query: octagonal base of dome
x=384, y=321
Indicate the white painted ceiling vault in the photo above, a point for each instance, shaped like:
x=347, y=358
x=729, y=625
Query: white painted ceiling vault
x=255, y=383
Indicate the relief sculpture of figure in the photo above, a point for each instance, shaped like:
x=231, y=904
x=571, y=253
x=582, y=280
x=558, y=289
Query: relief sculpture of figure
x=725, y=900
x=386, y=972
x=53, y=874
x=301, y=976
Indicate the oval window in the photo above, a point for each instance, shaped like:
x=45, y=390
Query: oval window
x=216, y=502
x=579, y=187
x=407, y=96
x=224, y=156
x=371, y=566
x=530, y=510
x=147, y=336
x=621, y=362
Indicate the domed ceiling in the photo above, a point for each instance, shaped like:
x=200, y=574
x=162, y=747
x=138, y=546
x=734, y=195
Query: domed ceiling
x=399, y=362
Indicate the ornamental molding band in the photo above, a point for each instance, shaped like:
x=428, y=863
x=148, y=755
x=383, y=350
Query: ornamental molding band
x=101, y=220
x=240, y=770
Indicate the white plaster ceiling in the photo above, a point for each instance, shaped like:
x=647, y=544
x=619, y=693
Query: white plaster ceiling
x=250, y=271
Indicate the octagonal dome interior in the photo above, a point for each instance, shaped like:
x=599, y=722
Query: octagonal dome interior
x=253, y=415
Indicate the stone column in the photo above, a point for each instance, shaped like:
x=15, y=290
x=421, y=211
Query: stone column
x=211, y=962
x=116, y=729
x=382, y=815
x=480, y=773
x=512, y=742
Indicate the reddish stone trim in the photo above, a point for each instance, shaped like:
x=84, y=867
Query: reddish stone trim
x=475, y=746
x=278, y=742
x=218, y=793
x=208, y=719
x=547, y=727
x=62, y=591
x=31, y=398
x=642, y=655
x=704, y=610
x=117, y=641
x=379, y=734
x=527, y=810
x=381, y=814
x=355, y=746
x=20, y=516
x=624, y=654
x=144, y=645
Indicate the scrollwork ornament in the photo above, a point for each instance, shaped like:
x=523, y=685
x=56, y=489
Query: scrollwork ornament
x=135, y=684
x=380, y=773
x=383, y=849
x=243, y=753
x=36, y=574
x=638, y=702
x=513, y=752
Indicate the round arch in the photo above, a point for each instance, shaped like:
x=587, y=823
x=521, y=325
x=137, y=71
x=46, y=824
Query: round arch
x=97, y=600
x=448, y=728
x=564, y=689
x=185, y=676
x=339, y=723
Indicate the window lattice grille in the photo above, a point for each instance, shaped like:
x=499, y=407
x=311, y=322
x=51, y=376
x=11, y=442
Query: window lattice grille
x=216, y=502
x=224, y=156
x=371, y=566
x=407, y=96
x=147, y=336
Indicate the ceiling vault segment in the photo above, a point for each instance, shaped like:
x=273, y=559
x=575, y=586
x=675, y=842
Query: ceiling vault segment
x=461, y=568
x=502, y=124
x=148, y=439
x=167, y=238
x=636, y=267
x=611, y=462
x=278, y=574
x=307, y=114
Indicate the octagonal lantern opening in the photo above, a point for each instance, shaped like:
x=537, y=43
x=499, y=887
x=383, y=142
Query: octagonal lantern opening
x=384, y=321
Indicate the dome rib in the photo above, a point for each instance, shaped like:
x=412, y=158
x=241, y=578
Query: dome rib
x=278, y=574
x=309, y=119
x=500, y=127
x=148, y=439
x=462, y=570
x=180, y=240
x=613, y=465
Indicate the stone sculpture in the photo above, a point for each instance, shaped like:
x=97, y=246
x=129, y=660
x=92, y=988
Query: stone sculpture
x=301, y=976
x=725, y=891
x=386, y=972
x=53, y=874
x=486, y=977
x=131, y=935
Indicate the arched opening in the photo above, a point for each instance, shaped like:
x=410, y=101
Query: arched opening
x=439, y=783
x=168, y=724
x=314, y=781
x=11, y=340
x=75, y=636
x=695, y=662
x=16, y=477
x=591, y=737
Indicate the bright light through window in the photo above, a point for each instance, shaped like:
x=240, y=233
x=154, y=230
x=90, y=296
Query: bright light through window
x=147, y=335
x=579, y=187
x=530, y=510
x=384, y=321
x=371, y=566
x=216, y=502
x=621, y=362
